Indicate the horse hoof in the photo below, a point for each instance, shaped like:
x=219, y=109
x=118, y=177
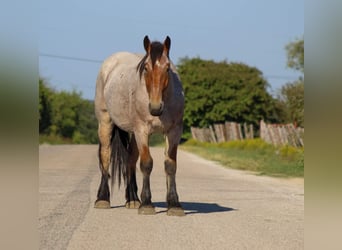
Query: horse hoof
x=133, y=204
x=175, y=211
x=102, y=204
x=146, y=210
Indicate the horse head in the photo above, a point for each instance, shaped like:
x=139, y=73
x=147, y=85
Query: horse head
x=154, y=67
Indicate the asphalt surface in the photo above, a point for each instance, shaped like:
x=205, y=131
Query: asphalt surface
x=225, y=209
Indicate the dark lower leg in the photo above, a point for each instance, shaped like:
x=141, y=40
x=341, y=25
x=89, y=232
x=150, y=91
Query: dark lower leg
x=132, y=188
x=172, y=196
x=146, y=206
x=132, y=199
x=146, y=165
x=103, y=192
x=146, y=168
x=172, y=139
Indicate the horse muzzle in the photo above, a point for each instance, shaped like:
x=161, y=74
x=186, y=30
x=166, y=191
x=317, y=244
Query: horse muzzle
x=156, y=109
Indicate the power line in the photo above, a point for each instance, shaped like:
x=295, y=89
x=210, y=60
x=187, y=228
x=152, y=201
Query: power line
x=70, y=58
x=100, y=61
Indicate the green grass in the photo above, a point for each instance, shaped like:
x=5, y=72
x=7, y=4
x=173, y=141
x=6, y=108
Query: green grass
x=54, y=139
x=253, y=155
x=156, y=140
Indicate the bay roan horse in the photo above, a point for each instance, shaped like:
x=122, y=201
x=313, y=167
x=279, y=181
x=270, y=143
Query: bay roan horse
x=137, y=95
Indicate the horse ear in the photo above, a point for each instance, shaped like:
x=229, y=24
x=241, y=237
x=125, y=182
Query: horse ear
x=147, y=44
x=167, y=43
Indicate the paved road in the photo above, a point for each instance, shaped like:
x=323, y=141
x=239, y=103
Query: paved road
x=225, y=209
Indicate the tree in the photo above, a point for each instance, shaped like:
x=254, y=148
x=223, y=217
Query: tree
x=292, y=94
x=219, y=91
x=45, y=95
x=64, y=115
x=86, y=123
x=295, y=55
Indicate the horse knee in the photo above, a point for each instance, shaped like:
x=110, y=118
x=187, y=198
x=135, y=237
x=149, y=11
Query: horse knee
x=146, y=166
x=170, y=167
x=146, y=161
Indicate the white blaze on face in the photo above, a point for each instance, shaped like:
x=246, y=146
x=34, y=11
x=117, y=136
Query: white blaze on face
x=157, y=85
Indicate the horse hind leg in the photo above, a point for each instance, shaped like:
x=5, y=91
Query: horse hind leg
x=104, y=133
x=132, y=200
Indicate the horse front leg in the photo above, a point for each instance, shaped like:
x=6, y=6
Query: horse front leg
x=172, y=140
x=146, y=165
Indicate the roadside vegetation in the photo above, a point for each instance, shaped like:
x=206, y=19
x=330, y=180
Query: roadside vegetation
x=252, y=155
x=64, y=117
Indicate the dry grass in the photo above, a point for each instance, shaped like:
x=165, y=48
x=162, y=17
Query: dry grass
x=253, y=155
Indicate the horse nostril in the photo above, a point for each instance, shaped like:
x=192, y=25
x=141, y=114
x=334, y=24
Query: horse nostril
x=156, y=109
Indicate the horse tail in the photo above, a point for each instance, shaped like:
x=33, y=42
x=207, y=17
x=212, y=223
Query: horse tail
x=119, y=157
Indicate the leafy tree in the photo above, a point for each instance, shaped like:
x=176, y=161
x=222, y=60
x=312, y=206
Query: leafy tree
x=292, y=94
x=86, y=123
x=295, y=55
x=66, y=115
x=45, y=95
x=220, y=91
x=63, y=113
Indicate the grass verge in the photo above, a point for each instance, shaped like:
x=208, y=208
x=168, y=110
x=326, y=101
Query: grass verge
x=54, y=140
x=253, y=155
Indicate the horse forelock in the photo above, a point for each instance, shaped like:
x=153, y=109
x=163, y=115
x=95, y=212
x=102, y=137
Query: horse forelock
x=156, y=53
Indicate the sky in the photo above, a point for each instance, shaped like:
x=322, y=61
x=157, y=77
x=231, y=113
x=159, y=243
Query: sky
x=76, y=36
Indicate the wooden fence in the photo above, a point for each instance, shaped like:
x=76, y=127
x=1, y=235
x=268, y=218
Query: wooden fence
x=228, y=131
x=276, y=134
x=282, y=134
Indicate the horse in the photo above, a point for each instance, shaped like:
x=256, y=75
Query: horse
x=138, y=95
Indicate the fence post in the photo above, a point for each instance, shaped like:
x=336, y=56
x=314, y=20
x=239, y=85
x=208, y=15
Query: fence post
x=219, y=132
x=240, y=137
x=212, y=134
x=251, y=131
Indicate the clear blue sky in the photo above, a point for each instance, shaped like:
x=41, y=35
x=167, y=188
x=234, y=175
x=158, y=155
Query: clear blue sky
x=252, y=32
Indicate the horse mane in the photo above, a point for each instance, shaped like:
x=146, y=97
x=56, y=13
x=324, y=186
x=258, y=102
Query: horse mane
x=156, y=52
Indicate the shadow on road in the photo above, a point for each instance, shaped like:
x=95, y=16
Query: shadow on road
x=120, y=206
x=197, y=207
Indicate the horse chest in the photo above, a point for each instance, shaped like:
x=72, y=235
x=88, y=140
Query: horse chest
x=159, y=124
x=155, y=125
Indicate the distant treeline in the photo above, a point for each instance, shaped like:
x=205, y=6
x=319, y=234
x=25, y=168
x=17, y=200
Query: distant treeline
x=215, y=92
x=65, y=117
